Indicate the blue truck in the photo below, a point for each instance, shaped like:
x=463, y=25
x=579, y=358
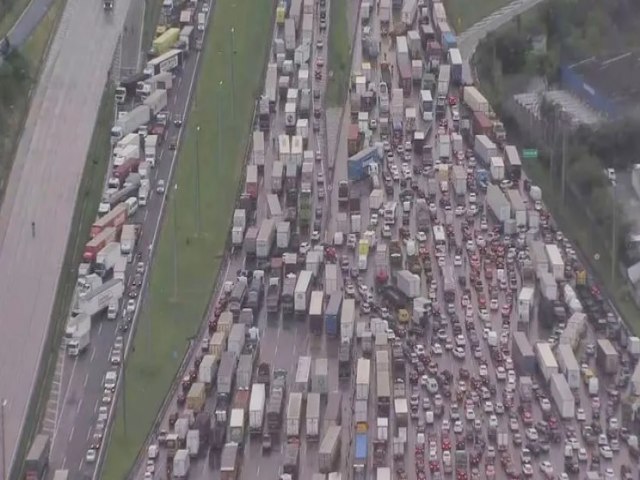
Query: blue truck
x=359, y=165
x=360, y=457
x=332, y=314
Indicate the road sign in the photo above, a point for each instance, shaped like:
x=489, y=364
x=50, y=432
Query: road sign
x=529, y=153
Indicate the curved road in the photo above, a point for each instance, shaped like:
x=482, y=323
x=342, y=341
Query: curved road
x=469, y=39
x=28, y=21
x=42, y=188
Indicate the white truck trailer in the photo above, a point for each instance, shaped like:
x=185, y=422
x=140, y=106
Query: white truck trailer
x=256, y=407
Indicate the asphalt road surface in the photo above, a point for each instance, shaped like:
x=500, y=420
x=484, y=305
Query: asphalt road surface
x=82, y=383
x=28, y=21
x=42, y=188
x=131, y=54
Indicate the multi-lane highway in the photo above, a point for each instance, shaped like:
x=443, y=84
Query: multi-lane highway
x=47, y=171
x=81, y=390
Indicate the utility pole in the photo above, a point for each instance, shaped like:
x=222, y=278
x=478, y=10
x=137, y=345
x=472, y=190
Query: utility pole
x=233, y=75
x=175, y=242
x=563, y=165
x=4, y=450
x=614, y=247
x=198, y=221
x=124, y=399
x=219, y=122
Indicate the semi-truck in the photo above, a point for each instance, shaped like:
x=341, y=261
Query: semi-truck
x=313, y=416
x=329, y=449
x=128, y=239
x=289, y=293
x=36, y=462
x=294, y=413
x=256, y=408
x=107, y=258
x=77, y=334
x=264, y=241
x=99, y=298
x=166, y=62
x=129, y=122
x=302, y=293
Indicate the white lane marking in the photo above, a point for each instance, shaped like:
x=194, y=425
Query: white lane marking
x=100, y=329
x=93, y=354
x=73, y=429
x=86, y=379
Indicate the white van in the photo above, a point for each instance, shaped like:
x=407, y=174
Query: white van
x=143, y=192
x=132, y=205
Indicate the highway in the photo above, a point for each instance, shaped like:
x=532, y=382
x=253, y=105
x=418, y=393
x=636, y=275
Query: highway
x=47, y=171
x=81, y=387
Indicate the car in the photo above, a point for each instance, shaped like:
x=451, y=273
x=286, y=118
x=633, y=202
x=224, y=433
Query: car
x=461, y=341
x=546, y=468
x=501, y=373
x=606, y=452
x=483, y=371
x=527, y=470
x=160, y=186
x=457, y=261
x=131, y=306
x=350, y=290
x=580, y=415
x=493, y=421
x=90, y=456
x=205, y=8
x=116, y=356
x=458, y=427
x=488, y=407
x=436, y=349
x=140, y=267
x=470, y=414
x=459, y=353
x=513, y=424
x=315, y=236
x=583, y=456
x=532, y=434
x=365, y=308
x=499, y=408
x=110, y=380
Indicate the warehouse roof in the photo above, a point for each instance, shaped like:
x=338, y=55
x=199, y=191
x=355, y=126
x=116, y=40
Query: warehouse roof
x=616, y=76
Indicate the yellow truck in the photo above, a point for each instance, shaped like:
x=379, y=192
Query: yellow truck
x=165, y=41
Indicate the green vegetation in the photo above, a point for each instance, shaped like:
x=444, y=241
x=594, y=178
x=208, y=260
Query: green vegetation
x=506, y=61
x=10, y=12
x=464, y=13
x=339, y=60
x=170, y=318
x=18, y=75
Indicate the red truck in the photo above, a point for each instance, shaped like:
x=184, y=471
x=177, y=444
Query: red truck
x=98, y=242
x=482, y=125
x=130, y=165
x=251, y=184
x=115, y=218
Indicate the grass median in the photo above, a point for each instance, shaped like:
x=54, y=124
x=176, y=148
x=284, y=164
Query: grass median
x=464, y=13
x=214, y=156
x=339, y=54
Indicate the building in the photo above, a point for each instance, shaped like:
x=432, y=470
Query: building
x=610, y=85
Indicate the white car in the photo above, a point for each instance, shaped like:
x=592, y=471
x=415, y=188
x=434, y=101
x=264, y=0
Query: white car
x=421, y=237
x=488, y=407
x=436, y=349
x=459, y=353
x=532, y=434
x=470, y=414
x=457, y=261
x=160, y=186
x=457, y=427
x=461, y=341
x=580, y=415
x=606, y=452
x=583, y=456
x=131, y=305
x=527, y=470
x=483, y=371
x=493, y=421
x=91, y=455
x=501, y=373
x=546, y=468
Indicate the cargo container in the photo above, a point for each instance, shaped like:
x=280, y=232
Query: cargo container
x=607, y=357
x=408, y=283
x=329, y=449
x=496, y=168
x=514, y=164
x=316, y=308
x=360, y=164
x=181, y=464
x=383, y=390
x=518, y=207
x=525, y=304
x=563, y=397
x=498, y=203
x=556, y=264
x=265, y=238
x=277, y=171
x=485, y=149
x=330, y=278
x=236, y=425
x=332, y=314
x=363, y=373
x=455, y=60
x=347, y=318
x=568, y=365
x=244, y=371
x=226, y=374
x=303, y=293
x=333, y=411
x=320, y=378
x=547, y=363
x=207, y=370
x=474, y=100
x=574, y=331
x=256, y=408
x=360, y=455
x=229, y=462
x=196, y=397
x=312, y=430
x=524, y=359
x=116, y=217
x=303, y=375
x=294, y=412
x=459, y=180
x=258, y=152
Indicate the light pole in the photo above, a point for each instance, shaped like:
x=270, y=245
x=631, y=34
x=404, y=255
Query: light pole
x=175, y=242
x=219, y=122
x=198, y=180
x=233, y=75
x=4, y=451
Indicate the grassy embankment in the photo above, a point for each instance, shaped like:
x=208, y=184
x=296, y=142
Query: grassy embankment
x=464, y=13
x=168, y=321
x=339, y=54
x=10, y=12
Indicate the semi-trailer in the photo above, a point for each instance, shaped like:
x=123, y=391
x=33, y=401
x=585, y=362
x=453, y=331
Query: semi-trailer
x=563, y=396
x=129, y=122
x=607, y=356
x=312, y=423
x=256, y=408
x=320, y=377
x=302, y=293
x=332, y=315
x=329, y=449
x=568, y=365
x=363, y=375
x=294, y=411
x=524, y=359
x=303, y=375
x=547, y=363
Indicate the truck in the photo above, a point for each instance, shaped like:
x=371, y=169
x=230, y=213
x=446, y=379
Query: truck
x=288, y=293
x=230, y=461
x=128, y=239
x=320, y=377
x=165, y=41
x=107, y=258
x=77, y=334
x=256, y=291
x=277, y=171
x=459, y=180
x=237, y=297
x=496, y=168
x=303, y=375
x=294, y=412
x=554, y=258
x=207, y=370
x=181, y=463
x=313, y=416
x=302, y=293
x=329, y=449
x=518, y=207
x=273, y=291
x=562, y=396
x=266, y=236
x=193, y=443
x=99, y=298
x=485, y=149
x=226, y=375
x=316, y=307
x=547, y=363
x=498, y=203
x=332, y=315
x=363, y=374
x=129, y=122
x=127, y=87
x=166, y=62
x=256, y=408
x=524, y=359
x=275, y=403
x=258, y=151
x=568, y=365
x=291, y=461
x=236, y=425
x=607, y=357
x=383, y=390
x=525, y=304
x=474, y=100
x=36, y=462
x=115, y=218
x=186, y=36
x=120, y=268
x=161, y=81
x=408, y=283
x=244, y=371
x=360, y=456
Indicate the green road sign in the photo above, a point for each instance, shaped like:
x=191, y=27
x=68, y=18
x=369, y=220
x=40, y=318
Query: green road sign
x=529, y=153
